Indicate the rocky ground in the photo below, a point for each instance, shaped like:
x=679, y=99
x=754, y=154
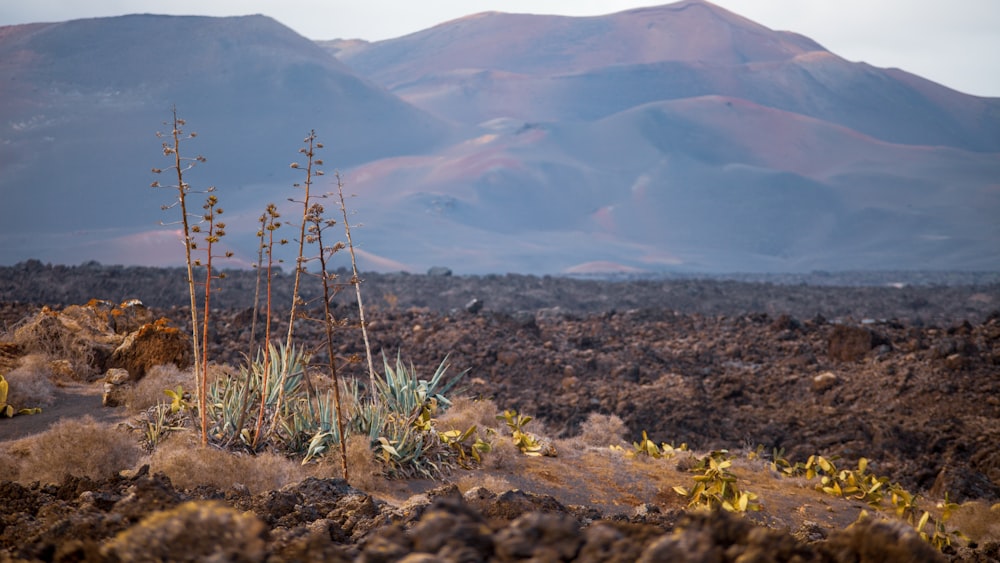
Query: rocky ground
x=905, y=373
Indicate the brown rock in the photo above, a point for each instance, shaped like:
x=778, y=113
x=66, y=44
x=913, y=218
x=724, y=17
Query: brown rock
x=154, y=344
x=850, y=343
x=824, y=381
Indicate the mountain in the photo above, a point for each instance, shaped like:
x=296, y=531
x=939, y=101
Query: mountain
x=685, y=137
x=84, y=99
x=559, y=68
x=672, y=138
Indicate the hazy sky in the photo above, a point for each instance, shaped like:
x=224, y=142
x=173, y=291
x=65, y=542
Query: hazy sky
x=956, y=43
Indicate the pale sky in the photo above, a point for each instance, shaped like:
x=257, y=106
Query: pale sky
x=955, y=43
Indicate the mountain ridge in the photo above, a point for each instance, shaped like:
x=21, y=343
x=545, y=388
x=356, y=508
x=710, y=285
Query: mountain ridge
x=744, y=149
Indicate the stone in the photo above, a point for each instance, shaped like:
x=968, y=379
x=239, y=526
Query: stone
x=850, y=343
x=824, y=381
x=116, y=385
x=154, y=344
x=474, y=306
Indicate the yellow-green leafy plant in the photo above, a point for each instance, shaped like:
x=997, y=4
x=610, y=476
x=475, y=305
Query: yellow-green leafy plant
x=179, y=400
x=647, y=447
x=716, y=487
x=525, y=441
x=7, y=410
x=468, y=455
x=861, y=484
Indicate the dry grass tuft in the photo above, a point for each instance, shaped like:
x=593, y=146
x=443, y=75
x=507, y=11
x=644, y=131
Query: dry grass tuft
x=365, y=472
x=188, y=465
x=465, y=412
x=977, y=520
x=493, y=483
x=46, y=334
x=30, y=383
x=603, y=430
x=10, y=464
x=149, y=391
x=504, y=454
x=84, y=448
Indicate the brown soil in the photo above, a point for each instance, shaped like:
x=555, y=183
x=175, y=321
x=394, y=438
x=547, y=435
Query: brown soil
x=909, y=378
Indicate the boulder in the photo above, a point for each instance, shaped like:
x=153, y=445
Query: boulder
x=153, y=344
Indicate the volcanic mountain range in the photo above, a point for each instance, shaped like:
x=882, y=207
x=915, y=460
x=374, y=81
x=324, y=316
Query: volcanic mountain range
x=674, y=138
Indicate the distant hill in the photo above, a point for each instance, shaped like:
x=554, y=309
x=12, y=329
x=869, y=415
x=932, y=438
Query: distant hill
x=677, y=138
x=83, y=99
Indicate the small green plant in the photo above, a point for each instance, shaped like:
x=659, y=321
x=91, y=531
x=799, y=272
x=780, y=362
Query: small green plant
x=861, y=484
x=179, y=400
x=647, y=447
x=468, y=455
x=160, y=420
x=716, y=487
x=525, y=441
x=9, y=411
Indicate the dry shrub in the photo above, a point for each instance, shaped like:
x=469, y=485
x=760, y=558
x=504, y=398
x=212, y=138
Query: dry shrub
x=149, y=391
x=493, y=483
x=603, y=430
x=503, y=455
x=46, y=334
x=30, y=384
x=465, y=412
x=81, y=447
x=188, y=465
x=977, y=520
x=364, y=470
x=10, y=464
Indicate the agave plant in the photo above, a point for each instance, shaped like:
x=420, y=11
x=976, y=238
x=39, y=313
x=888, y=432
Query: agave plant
x=234, y=400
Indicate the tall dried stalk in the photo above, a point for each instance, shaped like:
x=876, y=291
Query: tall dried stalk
x=271, y=226
x=180, y=166
x=312, y=164
x=316, y=226
x=256, y=292
x=216, y=230
x=356, y=282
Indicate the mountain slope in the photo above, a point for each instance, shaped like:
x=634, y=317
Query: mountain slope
x=680, y=137
x=85, y=98
x=708, y=184
x=540, y=68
